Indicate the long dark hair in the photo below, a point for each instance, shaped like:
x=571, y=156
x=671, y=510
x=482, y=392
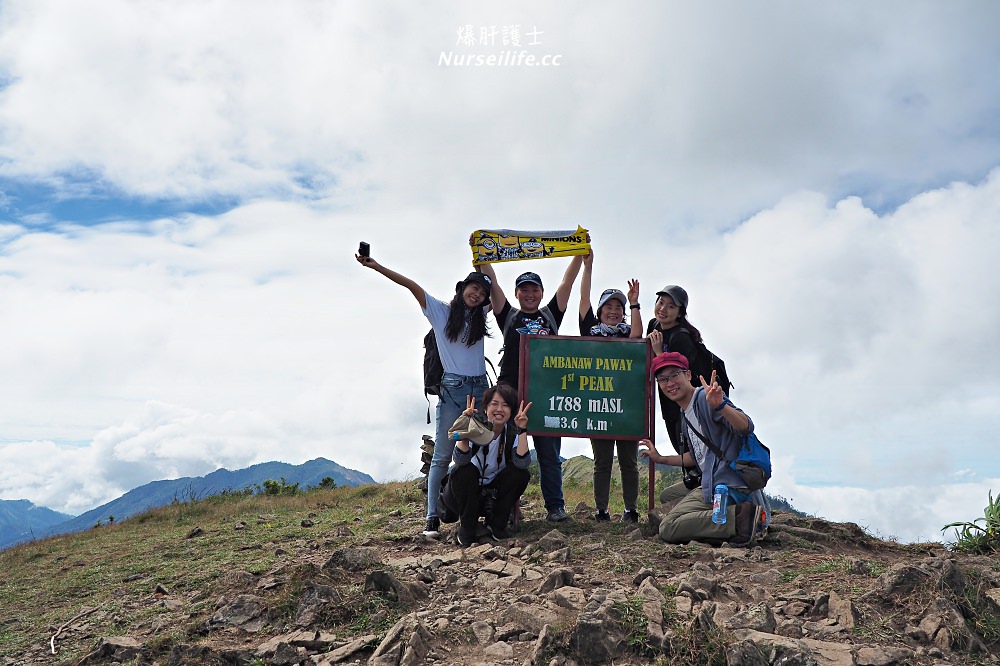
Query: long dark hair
x=457, y=315
x=683, y=321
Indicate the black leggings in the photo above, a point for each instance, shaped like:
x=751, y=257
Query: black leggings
x=462, y=496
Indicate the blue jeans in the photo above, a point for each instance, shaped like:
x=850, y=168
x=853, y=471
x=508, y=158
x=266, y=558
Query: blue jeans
x=550, y=469
x=455, y=389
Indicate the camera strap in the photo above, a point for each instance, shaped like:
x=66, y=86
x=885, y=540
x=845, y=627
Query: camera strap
x=707, y=441
x=685, y=447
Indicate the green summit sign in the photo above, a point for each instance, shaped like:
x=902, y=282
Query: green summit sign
x=586, y=387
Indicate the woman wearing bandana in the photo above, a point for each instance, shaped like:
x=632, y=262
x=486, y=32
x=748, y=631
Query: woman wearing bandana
x=609, y=322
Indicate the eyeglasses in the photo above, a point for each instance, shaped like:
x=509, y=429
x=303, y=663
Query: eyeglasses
x=663, y=379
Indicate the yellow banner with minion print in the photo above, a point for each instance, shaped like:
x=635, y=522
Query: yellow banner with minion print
x=497, y=245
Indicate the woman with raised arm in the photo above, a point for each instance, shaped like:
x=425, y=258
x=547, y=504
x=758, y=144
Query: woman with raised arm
x=459, y=329
x=610, y=322
x=489, y=479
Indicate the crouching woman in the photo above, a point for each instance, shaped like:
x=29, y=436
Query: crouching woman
x=489, y=474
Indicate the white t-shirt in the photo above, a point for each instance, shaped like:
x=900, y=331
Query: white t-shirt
x=697, y=446
x=489, y=464
x=456, y=357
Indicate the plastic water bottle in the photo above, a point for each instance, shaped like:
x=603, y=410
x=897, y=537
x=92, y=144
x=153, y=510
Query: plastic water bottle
x=720, y=503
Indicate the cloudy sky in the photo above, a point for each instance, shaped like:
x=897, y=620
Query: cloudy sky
x=183, y=186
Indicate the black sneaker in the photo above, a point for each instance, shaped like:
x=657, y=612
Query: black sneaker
x=462, y=539
x=498, y=533
x=557, y=515
x=432, y=527
x=747, y=521
x=602, y=516
x=630, y=516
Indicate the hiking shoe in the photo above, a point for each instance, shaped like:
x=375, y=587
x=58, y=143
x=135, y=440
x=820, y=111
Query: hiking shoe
x=602, y=516
x=557, y=515
x=630, y=516
x=747, y=521
x=462, y=539
x=498, y=533
x=432, y=527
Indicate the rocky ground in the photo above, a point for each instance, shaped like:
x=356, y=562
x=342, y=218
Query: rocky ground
x=810, y=592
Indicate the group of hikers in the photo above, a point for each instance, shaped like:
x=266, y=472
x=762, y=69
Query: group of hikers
x=489, y=471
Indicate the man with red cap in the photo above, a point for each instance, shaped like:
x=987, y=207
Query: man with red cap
x=707, y=414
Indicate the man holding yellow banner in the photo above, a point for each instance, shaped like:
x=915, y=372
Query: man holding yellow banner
x=532, y=318
x=490, y=246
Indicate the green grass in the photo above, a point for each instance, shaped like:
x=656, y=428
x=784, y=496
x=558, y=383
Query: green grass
x=872, y=569
x=978, y=609
x=976, y=538
x=45, y=583
x=635, y=623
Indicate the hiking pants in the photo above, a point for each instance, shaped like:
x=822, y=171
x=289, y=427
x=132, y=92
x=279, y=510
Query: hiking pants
x=628, y=464
x=691, y=520
x=547, y=450
x=462, y=497
x=455, y=389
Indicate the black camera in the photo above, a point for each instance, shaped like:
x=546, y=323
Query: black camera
x=364, y=249
x=692, y=479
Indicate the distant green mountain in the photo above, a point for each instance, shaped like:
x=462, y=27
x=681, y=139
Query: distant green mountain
x=160, y=493
x=20, y=520
x=581, y=470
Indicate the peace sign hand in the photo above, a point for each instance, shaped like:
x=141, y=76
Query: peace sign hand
x=713, y=392
x=633, y=291
x=470, y=406
x=521, y=420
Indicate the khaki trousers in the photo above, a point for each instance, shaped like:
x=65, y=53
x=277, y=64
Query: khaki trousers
x=691, y=520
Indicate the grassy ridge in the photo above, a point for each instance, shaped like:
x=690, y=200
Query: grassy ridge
x=110, y=573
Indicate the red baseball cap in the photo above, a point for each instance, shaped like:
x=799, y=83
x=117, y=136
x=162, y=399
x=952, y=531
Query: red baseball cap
x=668, y=359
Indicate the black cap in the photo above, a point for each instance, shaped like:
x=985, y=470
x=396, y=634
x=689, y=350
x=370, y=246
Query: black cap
x=677, y=294
x=476, y=278
x=528, y=278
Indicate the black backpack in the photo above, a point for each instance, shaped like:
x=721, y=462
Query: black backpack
x=432, y=366
x=705, y=362
x=433, y=370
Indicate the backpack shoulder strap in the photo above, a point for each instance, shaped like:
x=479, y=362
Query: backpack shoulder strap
x=514, y=314
x=492, y=380
x=550, y=319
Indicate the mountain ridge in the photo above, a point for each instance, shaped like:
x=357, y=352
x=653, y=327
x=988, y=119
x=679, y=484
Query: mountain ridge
x=164, y=491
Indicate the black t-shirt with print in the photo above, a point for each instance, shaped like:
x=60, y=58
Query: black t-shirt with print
x=531, y=324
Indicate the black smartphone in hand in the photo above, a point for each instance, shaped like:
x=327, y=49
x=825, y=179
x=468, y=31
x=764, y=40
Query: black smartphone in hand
x=364, y=249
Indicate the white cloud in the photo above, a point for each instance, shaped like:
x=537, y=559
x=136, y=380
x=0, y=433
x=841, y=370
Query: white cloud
x=911, y=513
x=667, y=107
x=228, y=341
x=817, y=177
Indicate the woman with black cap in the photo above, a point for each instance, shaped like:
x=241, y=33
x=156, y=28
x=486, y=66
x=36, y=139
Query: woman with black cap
x=459, y=329
x=670, y=331
x=609, y=322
